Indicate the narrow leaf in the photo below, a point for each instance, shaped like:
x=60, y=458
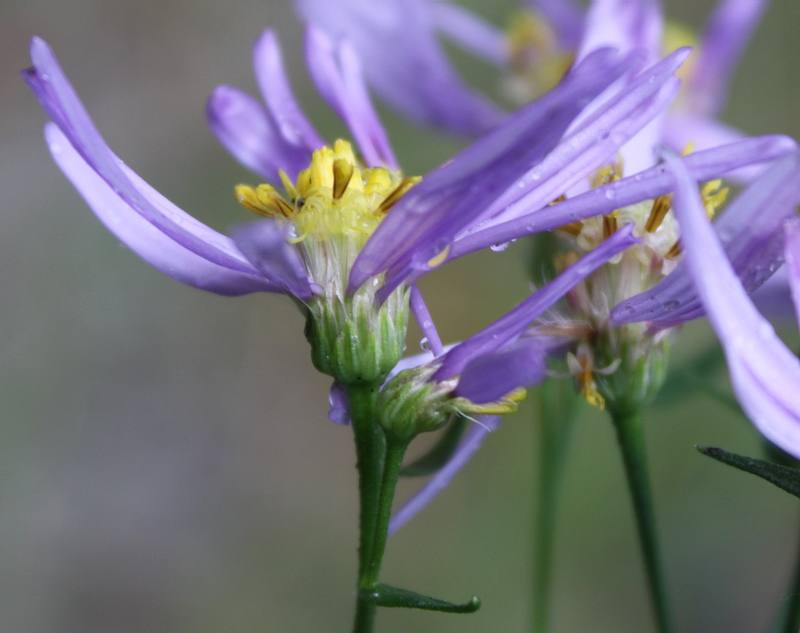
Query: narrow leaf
x=784, y=477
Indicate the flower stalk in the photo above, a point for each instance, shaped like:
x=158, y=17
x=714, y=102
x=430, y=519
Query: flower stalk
x=630, y=436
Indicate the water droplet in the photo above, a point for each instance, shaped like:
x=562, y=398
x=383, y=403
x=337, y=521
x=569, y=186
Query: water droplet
x=610, y=194
x=424, y=345
x=499, y=248
x=535, y=175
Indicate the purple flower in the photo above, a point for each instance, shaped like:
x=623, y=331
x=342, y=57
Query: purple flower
x=764, y=372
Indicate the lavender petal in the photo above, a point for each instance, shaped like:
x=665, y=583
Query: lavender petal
x=764, y=372
x=750, y=232
x=152, y=245
x=792, y=232
x=57, y=96
x=491, y=376
x=472, y=441
x=264, y=243
x=470, y=32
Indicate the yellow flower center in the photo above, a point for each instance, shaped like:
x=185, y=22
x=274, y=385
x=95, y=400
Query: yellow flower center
x=334, y=196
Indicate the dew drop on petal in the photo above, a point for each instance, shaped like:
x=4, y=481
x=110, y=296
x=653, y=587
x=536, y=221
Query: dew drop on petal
x=499, y=248
x=610, y=194
x=424, y=345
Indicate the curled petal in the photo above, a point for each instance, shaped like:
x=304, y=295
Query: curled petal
x=750, y=232
x=264, y=244
x=245, y=129
x=492, y=376
x=472, y=441
x=152, y=245
x=57, y=96
x=337, y=75
x=339, y=412
x=289, y=120
x=764, y=372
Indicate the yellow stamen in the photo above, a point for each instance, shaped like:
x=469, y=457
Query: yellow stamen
x=573, y=228
x=342, y=174
x=263, y=200
x=610, y=224
x=714, y=196
x=399, y=191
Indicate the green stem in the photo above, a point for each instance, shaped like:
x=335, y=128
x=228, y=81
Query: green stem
x=788, y=618
x=630, y=435
x=557, y=401
x=391, y=473
x=370, y=455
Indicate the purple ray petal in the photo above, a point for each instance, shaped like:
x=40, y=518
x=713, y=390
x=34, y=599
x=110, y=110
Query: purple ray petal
x=722, y=44
x=623, y=24
x=425, y=322
x=646, y=185
x=243, y=127
x=566, y=17
x=55, y=93
x=339, y=411
x=470, y=32
x=472, y=441
x=491, y=376
x=264, y=243
x=765, y=374
x=152, y=245
x=750, y=231
x=426, y=219
x=286, y=114
x=509, y=327
x=337, y=75
x=792, y=232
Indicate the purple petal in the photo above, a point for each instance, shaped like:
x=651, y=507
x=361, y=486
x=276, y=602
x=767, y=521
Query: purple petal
x=750, y=231
x=792, y=232
x=264, y=243
x=491, y=376
x=286, y=114
x=472, y=441
x=152, y=245
x=450, y=199
x=508, y=328
x=339, y=412
x=470, y=32
x=774, y=298
x=243, y=127
x=425, y=322
x=337, y=75
x=765, y=374
x=646, y=185
x=404, y=62
x=55, y=93
x=725, y=37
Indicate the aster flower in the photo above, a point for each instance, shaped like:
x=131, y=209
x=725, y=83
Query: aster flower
x=764, y=372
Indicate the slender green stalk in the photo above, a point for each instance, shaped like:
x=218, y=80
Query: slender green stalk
x=788, y=618
x=628, y=424
x=370, y=456
x=391, y=473
x=557, y=401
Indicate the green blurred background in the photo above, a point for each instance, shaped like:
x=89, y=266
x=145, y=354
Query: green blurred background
x=166, y=460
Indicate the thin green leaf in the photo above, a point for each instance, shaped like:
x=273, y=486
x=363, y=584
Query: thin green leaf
x=784, y=477
x=387, y=596
x=440, y=453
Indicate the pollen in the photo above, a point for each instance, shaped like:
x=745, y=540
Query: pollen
x=334, y=196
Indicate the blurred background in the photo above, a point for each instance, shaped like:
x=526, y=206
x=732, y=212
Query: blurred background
x=165, y=459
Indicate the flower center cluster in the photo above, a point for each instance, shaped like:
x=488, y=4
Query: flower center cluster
x=602, y=349
x=334, y=196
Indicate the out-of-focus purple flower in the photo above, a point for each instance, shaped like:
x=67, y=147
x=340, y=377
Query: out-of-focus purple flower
x=764, y=372
x=404, y=60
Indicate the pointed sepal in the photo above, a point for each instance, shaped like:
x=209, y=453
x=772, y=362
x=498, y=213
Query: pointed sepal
x=784, y=477
x=387, y=596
